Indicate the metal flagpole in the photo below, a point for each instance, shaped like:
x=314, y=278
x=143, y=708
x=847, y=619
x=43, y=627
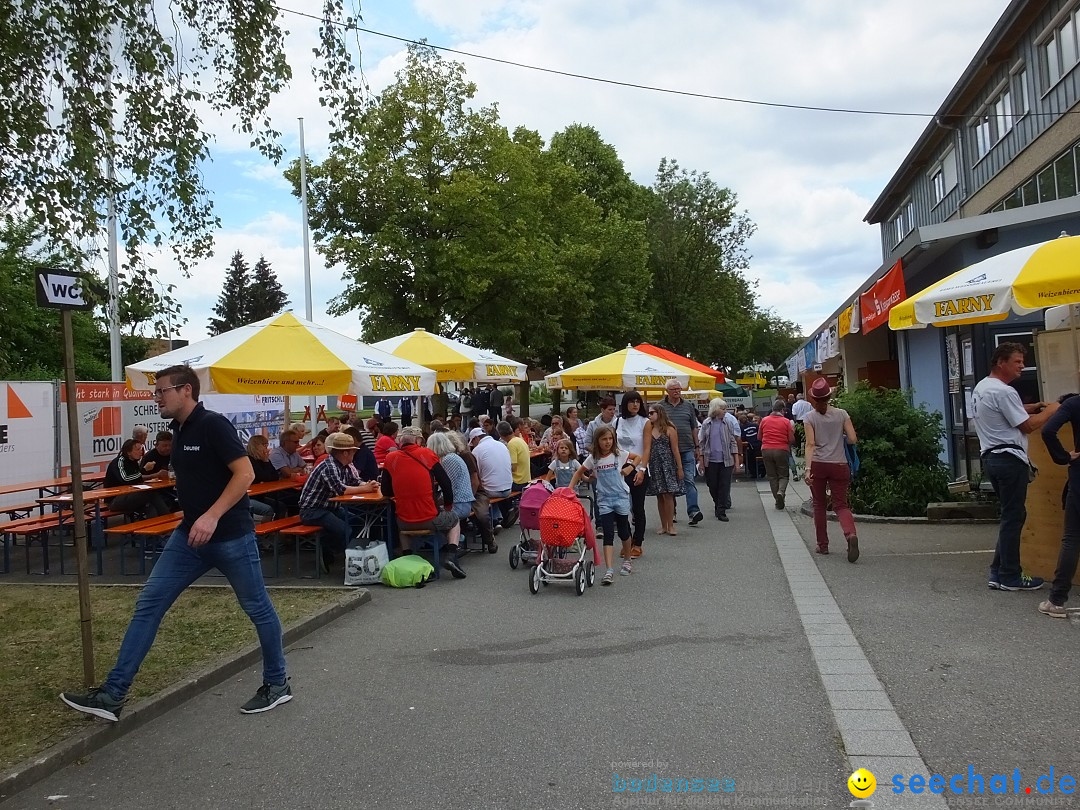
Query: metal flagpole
x=116, y=363
x=307, y=259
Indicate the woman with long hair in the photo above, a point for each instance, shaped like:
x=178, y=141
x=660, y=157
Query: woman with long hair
x=664, y=462
x=630, y=427
x=827, y=466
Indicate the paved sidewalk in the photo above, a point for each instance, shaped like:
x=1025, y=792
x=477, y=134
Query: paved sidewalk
x=731, y=652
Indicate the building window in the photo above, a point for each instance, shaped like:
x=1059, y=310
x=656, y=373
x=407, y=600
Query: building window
x=1065, y=171
x=983, y=139
x=1022, y=104
x=1056, y=180
x=943, y=176
x=1003, y=113
x=1061, y=50
x=902, y=223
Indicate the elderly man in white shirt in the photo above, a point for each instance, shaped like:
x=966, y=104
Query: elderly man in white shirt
x=800, y=408
x=495, y=471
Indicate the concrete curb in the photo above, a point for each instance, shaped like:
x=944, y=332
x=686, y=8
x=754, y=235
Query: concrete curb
x=86, y=742
x=807, y=509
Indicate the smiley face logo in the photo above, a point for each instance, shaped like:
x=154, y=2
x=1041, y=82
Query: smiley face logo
x=862, y=784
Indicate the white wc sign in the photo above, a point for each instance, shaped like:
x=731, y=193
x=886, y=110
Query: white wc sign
x=60, y=289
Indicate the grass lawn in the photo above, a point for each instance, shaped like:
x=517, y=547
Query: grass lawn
x=41, y=653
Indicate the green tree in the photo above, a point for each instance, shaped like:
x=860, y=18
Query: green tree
x=441, y=219
x=601, y=174
x=704, y=305
x=264, y=295
x=117, y=82
x=231, y=307
x=772, y=339
x=30, y=349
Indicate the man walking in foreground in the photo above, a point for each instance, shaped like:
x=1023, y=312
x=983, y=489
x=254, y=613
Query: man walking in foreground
x=1003, y=423
x=213, y=474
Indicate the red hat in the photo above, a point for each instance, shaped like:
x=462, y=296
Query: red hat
x=820, y=389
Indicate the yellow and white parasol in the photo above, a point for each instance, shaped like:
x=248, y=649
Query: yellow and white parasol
x=627, y=369
x=288, y=356
x=452, y=360
x=1021, y=281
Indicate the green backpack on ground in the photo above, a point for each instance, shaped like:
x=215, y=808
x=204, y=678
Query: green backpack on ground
x=407, y=572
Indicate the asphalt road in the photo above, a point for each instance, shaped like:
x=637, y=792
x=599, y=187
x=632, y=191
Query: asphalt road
x=476, y=694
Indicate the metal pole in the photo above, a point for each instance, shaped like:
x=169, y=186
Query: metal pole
x=307, y=258
x=116, y=362
x=77, y=507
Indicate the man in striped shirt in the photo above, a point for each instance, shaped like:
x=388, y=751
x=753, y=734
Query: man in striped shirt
x=334, y=477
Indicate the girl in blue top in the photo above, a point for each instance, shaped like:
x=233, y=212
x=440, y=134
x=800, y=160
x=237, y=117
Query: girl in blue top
x=610, y=466
x=564, y=465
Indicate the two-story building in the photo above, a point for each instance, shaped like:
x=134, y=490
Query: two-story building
x=996, y=169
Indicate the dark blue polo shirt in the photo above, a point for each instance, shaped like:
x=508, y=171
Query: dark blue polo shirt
x=203, y=447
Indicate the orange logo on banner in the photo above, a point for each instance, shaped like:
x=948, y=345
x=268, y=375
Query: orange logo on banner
x=347, y=402
x=15, y=407
x=107, y=422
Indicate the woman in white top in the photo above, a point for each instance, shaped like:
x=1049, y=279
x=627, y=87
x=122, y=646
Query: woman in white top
x=630, y=426
x=827, y=466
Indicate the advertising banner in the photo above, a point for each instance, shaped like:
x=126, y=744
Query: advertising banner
x=250, y=414
x=844, y=323
x=876, y=302
x=27, y=436
x=108, y=413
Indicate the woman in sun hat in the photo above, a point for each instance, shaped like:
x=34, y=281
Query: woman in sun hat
x=827, y=467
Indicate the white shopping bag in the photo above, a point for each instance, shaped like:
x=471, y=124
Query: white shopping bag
x=363, y=566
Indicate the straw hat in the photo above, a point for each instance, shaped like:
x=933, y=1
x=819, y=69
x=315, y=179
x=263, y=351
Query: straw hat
x=340, y=441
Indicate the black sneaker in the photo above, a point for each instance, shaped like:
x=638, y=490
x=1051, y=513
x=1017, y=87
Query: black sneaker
x=268, y=697
x=779, y=501
x=1022, y=583
x=451, y=565
x=993, y=582
x=721, y=517
x=97, y=702
x=697, y=518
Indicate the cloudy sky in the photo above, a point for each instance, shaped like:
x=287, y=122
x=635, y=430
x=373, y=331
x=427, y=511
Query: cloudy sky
x=805, y=178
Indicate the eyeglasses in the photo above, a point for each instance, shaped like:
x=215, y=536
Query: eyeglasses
x=160, y=392
x=652, y=413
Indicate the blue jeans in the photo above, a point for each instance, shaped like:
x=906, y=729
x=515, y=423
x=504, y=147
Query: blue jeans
x=689, y=465
x=335, y=523
x=179, y=566
x=1009, y=477
x=496, y=512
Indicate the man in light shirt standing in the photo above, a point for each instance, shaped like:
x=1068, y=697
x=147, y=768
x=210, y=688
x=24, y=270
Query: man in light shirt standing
x=801, y=408
x=1002, y=423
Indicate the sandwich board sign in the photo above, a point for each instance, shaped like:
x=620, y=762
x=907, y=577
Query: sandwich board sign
x=60, y=289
